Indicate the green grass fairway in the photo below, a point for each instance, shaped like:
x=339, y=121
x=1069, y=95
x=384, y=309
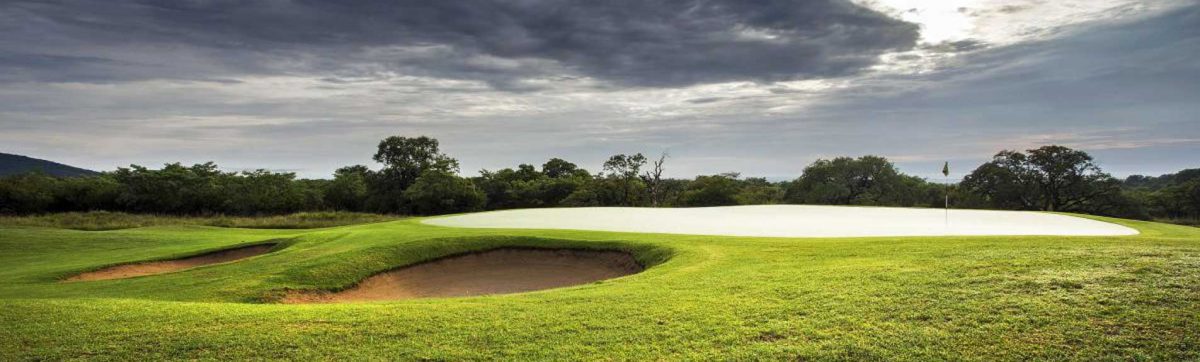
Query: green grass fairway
x=702, y=297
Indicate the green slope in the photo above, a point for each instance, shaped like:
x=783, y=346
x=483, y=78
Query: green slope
x=728, y=298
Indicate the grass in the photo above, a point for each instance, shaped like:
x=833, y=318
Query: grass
x=1182, y=221
x=702, y=298
x=103, y=220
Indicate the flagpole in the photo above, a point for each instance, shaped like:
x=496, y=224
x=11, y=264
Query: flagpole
x=946, y=174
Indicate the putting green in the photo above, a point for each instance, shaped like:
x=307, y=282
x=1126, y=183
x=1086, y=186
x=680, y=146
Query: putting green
x=791, y=221
x=700, y=297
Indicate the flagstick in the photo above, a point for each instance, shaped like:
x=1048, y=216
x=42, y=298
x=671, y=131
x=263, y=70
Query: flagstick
x=946, y=174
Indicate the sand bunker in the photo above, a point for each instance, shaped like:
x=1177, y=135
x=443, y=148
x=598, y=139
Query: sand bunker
x=789, y=221
x=159, y=267
x=497, y=271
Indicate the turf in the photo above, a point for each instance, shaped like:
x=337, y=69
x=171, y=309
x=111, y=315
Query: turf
x=104, y=220
x=702, y=297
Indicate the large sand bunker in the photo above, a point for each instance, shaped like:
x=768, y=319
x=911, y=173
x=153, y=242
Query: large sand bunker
x=789, y=221
x=499, y=271
x=159, y=267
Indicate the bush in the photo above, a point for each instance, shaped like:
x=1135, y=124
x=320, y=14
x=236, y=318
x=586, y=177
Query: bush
x=441, y=192
x=715, y=190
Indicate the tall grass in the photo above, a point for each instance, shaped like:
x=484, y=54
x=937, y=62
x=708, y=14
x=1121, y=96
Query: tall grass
x=104, y=220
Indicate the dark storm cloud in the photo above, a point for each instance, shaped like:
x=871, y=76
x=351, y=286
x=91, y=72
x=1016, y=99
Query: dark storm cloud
x=630, y=42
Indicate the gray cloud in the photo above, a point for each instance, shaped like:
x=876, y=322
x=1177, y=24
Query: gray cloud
x=318, y=92
x=630, y=42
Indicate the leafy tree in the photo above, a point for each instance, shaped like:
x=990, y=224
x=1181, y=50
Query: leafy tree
x=714, y=190
x=26, y=193
x=866, y=180
x=671, y=192
x=1007, y=182
x=559, y=168
x=1153, y=183
x=758, y=191
x=442, y=192
x=174, y=189
x=625, y=169
x=404, y=159
x=86, y=193
x=509, y=188
x=312, y=193
x=1177, y=200
x=1067, y=178
x=526, y=187
x=262, y=192
x=348, y=190
x=1050, y=178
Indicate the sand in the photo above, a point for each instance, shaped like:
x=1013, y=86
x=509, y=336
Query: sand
x=500, y=271
x=159, y=267
x=790, y=221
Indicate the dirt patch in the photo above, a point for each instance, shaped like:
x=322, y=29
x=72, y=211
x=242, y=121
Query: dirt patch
x=497, y=271
x=159, y=267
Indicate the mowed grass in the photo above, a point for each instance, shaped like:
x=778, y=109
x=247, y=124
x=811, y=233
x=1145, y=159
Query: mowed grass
x=702, y=297
x=103, y=220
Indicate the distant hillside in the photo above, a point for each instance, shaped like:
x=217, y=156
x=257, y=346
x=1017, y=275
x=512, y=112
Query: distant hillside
x=17, y=164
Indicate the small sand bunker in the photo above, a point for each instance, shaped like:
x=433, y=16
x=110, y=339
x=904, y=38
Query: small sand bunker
x=159, y=267
x=499, y=271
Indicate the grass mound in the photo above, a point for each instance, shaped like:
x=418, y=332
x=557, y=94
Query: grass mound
x=170, y=265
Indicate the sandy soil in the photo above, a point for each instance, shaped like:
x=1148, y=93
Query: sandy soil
x=491, y=272
x=159, y=267
x=789, y=221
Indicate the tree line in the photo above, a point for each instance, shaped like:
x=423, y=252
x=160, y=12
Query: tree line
x=414, y=177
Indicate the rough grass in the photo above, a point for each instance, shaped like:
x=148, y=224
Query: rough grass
x=703, y=298
x=103, y=220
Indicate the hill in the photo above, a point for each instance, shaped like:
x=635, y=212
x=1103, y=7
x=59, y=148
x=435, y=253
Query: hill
x=16, y=164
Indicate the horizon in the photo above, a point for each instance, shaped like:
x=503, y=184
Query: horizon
x=763, y=90
x=956, y=172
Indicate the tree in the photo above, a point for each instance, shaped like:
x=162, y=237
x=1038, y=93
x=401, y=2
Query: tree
x=174, y=189
x=1006, y=182
x=261, y=192
x=557, y=168
x=442, y=192
x=509, y=188
x=625, y=169
x=404, y=159
x=348, y=190
x=714, y=190
x=866, y=180
x=1050, y=178
x=758, y=191
x=26, y=193
x=654, y=182
x=1067, y=178
x=86, y=193
x=1177, y=200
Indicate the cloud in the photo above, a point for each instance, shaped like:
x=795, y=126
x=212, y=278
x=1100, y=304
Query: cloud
x=147, y=83
x=638, y=43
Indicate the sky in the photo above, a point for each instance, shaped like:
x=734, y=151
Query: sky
x=758, y=87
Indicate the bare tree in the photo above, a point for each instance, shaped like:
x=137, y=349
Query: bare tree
x=653, y=180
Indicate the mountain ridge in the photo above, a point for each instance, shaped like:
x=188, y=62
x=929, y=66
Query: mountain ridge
x=12, y=164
